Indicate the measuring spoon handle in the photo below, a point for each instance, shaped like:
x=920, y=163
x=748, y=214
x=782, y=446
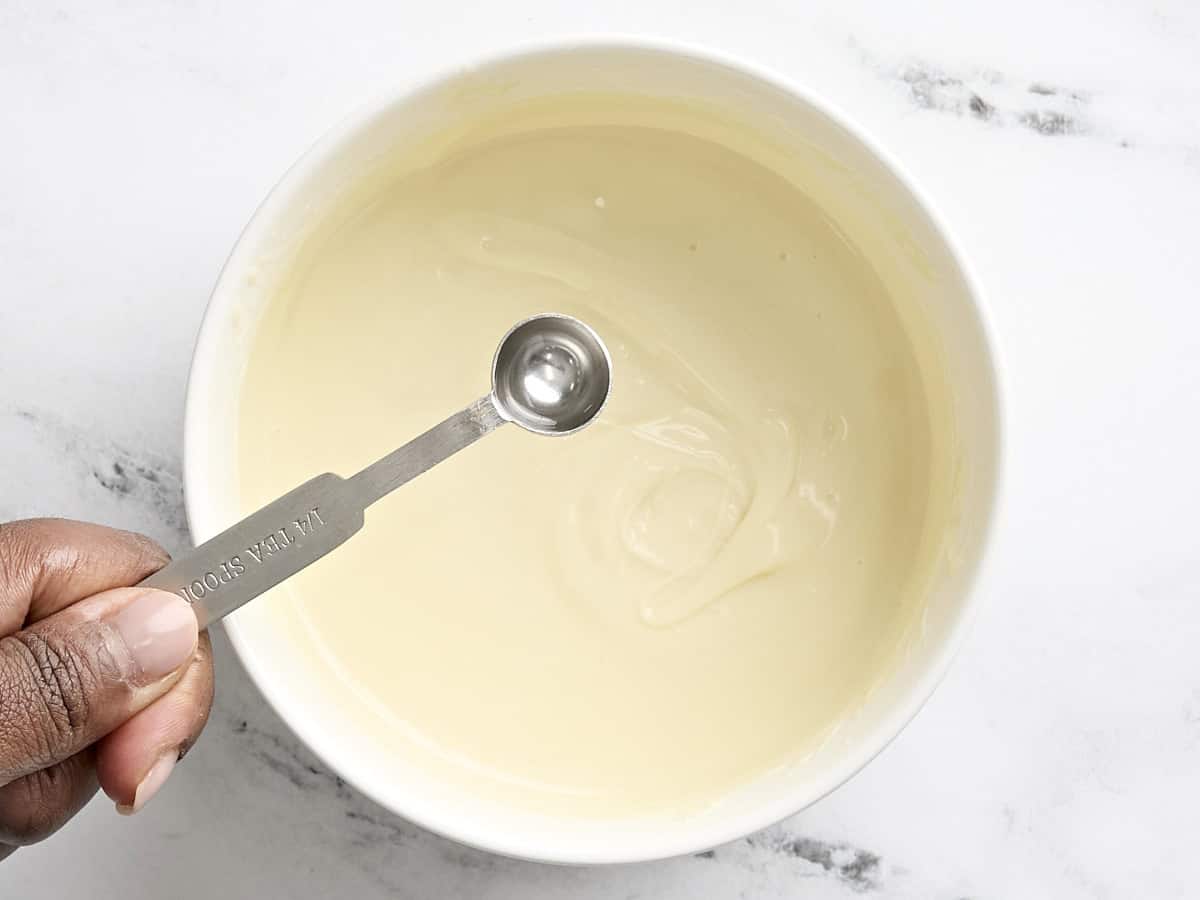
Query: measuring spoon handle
x=307, y=522
x=263, y=549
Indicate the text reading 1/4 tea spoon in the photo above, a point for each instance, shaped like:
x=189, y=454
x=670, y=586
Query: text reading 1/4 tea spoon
x=550, y=375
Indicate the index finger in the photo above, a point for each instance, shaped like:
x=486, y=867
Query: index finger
x=48, y=564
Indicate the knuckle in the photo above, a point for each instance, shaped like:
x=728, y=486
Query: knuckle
x=46, y=689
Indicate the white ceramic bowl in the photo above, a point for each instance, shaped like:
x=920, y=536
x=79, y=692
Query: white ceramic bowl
x=872, y=201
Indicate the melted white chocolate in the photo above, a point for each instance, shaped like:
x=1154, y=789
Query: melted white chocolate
x=703, y=495
x=645, y=615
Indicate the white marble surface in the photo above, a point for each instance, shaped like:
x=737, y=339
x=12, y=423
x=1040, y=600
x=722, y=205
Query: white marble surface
x=1060, y=759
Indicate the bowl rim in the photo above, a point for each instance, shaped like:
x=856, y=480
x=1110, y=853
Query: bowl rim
x=689, y=838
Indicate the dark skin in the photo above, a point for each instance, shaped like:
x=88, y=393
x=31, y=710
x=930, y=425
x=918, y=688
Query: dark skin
x=77, y=712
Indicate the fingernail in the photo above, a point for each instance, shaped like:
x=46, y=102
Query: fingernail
x=150, y=784
x=159, y=629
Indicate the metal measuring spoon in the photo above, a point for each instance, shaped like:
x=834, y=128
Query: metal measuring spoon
x=550, y=375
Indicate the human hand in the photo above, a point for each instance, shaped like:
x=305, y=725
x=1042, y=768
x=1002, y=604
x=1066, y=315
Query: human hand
x=100, y=683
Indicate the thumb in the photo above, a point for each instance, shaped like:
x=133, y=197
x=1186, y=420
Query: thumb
x=71, y=678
